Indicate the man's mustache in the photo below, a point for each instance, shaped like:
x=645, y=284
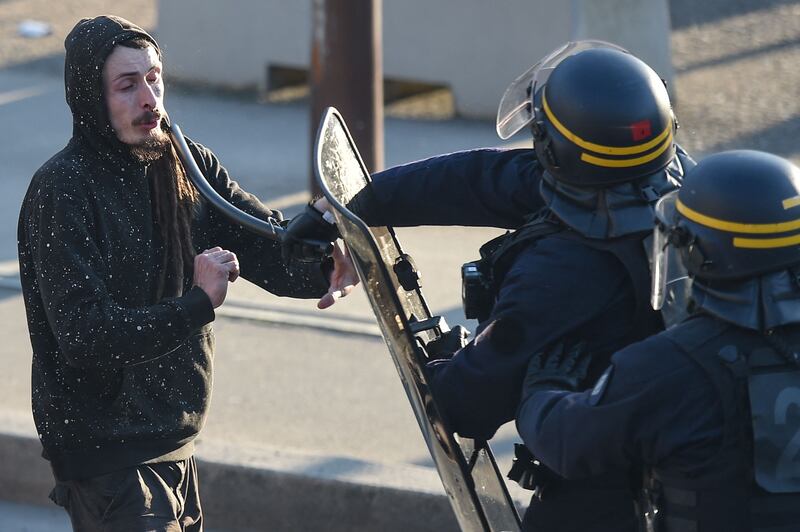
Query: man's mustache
x=147, y=117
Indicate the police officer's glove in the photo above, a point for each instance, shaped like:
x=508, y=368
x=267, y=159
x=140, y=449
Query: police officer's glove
x=561, y=367
x=448, y=343
x=308, y=237
x=530, y=473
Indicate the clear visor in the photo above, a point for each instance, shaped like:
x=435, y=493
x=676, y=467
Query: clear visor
x=671, y=282
x=515, y=110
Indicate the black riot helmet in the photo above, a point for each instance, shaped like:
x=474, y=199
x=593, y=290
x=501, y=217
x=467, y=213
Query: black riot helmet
x=599, y=116
x=734, y=228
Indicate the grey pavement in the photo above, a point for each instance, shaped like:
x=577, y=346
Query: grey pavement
x=17, y=517
x=307, y=404
x=32, y=518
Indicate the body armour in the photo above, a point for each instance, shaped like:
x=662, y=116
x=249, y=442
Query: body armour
x=481, y=279
x=753, y=481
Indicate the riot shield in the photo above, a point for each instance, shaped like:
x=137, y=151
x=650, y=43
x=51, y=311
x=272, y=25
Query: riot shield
x=472, y=481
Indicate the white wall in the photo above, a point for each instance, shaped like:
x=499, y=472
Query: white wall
x=475, y=46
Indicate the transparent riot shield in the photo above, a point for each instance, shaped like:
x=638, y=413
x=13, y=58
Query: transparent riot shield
x=473, y=483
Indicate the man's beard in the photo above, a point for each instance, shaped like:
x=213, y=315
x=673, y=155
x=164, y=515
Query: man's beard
x=150, y=149
x=154, y=146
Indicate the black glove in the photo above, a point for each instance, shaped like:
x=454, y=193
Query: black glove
x=530, y=473
x=558, y=368
x=306, y=235
x=448, y=343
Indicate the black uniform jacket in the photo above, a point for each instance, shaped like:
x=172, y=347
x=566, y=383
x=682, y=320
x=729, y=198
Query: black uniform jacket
x=556, y=287
x=559, y=286
x=654, y=406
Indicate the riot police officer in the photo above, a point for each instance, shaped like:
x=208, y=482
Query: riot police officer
x=710, y=408
x=582, y=204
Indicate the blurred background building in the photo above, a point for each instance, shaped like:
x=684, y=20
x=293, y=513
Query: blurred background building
x=472, y=48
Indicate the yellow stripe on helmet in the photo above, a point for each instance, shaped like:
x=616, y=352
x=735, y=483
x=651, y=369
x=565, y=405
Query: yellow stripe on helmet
x=737, y=227
x=790, y=203
x=627, y=163
x=599, y=148
x=766, y=243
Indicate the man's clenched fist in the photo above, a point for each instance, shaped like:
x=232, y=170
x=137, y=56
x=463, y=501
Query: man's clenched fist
x=213, y=269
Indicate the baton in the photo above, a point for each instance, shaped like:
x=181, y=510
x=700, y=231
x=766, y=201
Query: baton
x=269, y=228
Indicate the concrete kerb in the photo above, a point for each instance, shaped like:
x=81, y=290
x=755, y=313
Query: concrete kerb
x=289, y=491
x=24, y=474
x=255, y=489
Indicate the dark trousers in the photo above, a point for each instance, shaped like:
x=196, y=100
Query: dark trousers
x=160, y=497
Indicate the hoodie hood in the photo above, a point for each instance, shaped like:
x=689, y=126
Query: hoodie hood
x=88, y=46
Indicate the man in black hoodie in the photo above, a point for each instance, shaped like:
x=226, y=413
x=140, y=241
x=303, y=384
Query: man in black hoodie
x=119, y=304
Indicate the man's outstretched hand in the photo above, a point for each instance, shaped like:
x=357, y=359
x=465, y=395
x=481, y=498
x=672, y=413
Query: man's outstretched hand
x=343, y=278
x=302, y=231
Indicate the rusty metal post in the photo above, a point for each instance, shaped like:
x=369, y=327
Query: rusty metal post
x=347, y=72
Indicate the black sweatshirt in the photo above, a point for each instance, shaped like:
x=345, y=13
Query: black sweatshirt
x=118, y=378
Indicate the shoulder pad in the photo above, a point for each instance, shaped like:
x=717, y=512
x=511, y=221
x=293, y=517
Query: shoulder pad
x=696, y=331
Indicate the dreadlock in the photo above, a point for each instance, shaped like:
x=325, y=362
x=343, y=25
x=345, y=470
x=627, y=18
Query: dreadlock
x=173, y=199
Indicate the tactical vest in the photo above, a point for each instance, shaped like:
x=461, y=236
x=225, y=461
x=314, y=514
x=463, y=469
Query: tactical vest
x=609, y=497
x=481, y=279
x=753, y=482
